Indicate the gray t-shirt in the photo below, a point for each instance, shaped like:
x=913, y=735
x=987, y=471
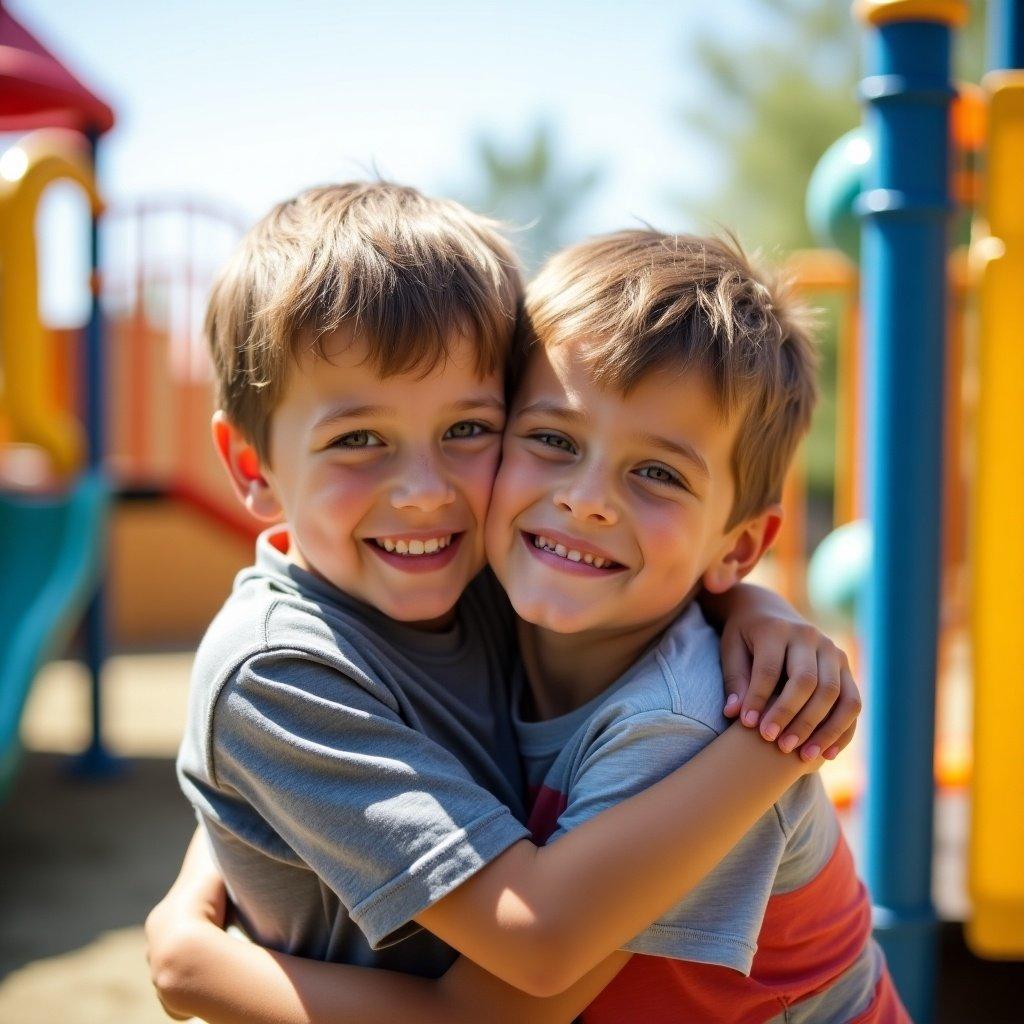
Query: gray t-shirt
x=783, y=910
x=349, y=770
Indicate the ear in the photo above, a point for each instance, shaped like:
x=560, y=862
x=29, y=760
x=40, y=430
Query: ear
x=742, y=550
x=242, y=464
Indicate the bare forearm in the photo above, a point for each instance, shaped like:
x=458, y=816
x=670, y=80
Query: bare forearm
x=224, y=981
x=542, y=918
x=207, y=973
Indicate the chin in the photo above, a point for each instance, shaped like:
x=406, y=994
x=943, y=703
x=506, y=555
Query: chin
x=555, y=618
x=426, y=609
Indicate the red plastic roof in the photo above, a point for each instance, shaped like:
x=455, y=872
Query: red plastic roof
x=38, y=91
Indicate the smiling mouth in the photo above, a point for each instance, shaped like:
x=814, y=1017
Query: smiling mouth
x=576, y=555
x=417, y=554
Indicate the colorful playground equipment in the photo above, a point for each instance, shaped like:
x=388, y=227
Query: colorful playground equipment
x=51, y=545
x=160, y=379
x=997, y=834
x=89, y=419
x=931, y=323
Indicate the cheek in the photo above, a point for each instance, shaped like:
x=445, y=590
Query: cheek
x=342, y=494
x=666, y=537
x=345, y=492
x=522, y=477
x=513, y=492
x=475, y=478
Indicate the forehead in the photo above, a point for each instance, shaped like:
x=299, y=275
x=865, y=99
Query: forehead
x=346, y=371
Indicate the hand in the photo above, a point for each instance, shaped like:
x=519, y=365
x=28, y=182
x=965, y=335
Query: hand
x=198, y=897
x=764, y=639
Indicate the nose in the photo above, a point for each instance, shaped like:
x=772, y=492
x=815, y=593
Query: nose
x=587, y=502
x=422, y=485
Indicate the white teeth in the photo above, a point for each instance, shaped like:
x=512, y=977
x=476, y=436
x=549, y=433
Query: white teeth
x=546, y=544
x=415, y=547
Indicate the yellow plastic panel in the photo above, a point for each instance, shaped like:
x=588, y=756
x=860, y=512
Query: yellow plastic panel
x=996, y=874
x=26, y=348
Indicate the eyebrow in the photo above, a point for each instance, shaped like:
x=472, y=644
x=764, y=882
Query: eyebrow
x=349, y=412
x=553, y=409
x=683, y=449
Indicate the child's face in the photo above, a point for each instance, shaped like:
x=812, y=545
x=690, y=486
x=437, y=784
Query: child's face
x=366, y=468
x=642, y=481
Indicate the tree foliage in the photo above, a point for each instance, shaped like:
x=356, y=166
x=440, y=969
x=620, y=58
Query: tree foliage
x=531, y=185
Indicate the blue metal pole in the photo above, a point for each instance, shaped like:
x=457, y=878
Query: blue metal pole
x=905, y=209
x=95, y=760
x=1005, y=34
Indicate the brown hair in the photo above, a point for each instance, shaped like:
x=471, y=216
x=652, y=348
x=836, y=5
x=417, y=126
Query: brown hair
x=406, y=272
x=642, y=300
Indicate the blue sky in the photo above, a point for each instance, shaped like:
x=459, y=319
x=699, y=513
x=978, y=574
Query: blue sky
x=246, y=102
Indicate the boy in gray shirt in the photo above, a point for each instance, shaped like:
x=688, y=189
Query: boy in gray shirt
x=349, y=749
x=413, y=721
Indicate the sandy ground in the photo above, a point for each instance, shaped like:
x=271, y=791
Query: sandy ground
x=82, y=862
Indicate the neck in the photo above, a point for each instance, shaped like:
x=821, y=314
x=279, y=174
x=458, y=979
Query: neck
x=565, y=670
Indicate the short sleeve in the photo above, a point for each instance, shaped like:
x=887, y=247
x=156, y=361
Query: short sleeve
x=387, y=818
x=718, y=922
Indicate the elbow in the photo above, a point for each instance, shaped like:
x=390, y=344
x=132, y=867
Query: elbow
x=545, y=984
x=171, y=970
x=544, y=980
x=544, y=963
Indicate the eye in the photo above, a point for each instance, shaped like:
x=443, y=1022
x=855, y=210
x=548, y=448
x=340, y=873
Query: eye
x=357, y=439
x=466, y=429
x=662, y=475
x=557, y=441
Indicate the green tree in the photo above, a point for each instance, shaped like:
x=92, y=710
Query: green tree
x=530, y=185
x=769, y=110
x=771, y=107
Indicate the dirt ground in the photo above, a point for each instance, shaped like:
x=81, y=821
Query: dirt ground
x=82, y=862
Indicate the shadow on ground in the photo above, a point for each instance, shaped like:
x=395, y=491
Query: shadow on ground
x=974, y=991
x=79, y=859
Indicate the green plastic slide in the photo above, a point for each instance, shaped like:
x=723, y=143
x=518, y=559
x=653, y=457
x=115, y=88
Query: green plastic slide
x=51, y=553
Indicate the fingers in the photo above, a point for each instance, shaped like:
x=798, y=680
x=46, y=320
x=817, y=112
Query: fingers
x=799, y=705
x=736, y=665
x=836, y=731
x=844, y=741
x=769, y=657
x=807, y=698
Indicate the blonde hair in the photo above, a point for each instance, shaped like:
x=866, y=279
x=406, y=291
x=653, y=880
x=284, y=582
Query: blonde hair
x=407, y=273
x=642, y=300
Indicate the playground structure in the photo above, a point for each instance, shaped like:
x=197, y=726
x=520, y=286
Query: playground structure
x=931, y=372
x=52, y=545
x=120, y=412
x=88, y=418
